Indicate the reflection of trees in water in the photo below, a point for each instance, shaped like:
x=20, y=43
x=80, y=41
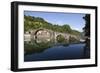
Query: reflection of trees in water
x=39, y=45
x=34, y=47
x=86, y=52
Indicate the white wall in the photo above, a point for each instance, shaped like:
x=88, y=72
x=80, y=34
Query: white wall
x=5, y=35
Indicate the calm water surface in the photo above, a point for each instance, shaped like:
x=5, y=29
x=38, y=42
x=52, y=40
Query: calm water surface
x=59, y=52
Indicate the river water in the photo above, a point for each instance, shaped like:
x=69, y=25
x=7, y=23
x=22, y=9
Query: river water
x=58, y=52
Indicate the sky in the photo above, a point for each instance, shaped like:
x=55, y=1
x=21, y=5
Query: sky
x=75, y=20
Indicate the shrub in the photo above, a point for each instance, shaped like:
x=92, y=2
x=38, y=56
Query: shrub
x=60, y=38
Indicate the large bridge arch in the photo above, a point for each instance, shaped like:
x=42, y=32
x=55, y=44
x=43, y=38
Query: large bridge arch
x=42, y=33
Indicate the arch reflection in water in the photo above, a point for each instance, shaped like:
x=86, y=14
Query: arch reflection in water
x=43, y=49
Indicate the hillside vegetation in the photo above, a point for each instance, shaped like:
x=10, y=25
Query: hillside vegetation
x=31, y=22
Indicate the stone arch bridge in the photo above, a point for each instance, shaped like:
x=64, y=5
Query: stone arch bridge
x=45, y=34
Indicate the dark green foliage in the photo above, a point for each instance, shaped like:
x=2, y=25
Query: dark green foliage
x=75, y=32
x=87, y=30
x=87, y=25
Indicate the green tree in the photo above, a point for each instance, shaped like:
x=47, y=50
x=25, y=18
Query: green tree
x=60, y=38
x=87, y=30
x=87, y=25
x=66, y=28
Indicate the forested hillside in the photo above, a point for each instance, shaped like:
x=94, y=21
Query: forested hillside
x=31, y=22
